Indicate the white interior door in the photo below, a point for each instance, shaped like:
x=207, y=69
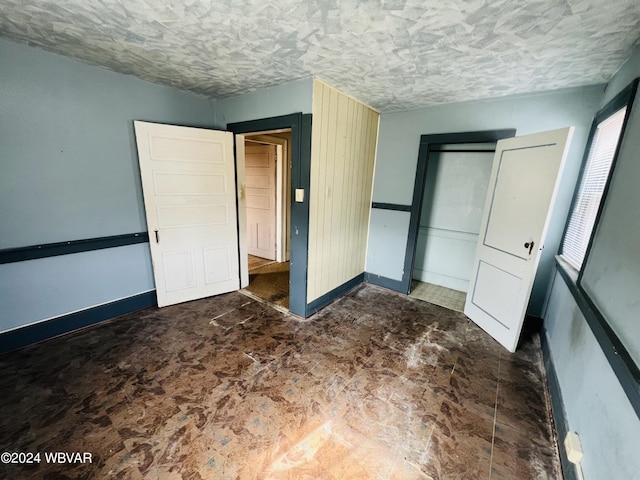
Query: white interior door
x=522, y=190
x=260, y=181
x=188, y=182
x=281, y=140
x=242, y=212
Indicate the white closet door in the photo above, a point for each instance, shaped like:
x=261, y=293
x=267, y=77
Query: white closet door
x=522, y=190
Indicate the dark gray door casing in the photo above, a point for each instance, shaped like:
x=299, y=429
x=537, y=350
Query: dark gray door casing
x=300, y=125
x=428, y=143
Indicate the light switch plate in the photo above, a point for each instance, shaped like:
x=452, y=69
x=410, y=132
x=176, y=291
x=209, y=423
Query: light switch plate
x=299, y=195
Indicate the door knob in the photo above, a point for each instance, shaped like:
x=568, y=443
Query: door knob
x=529, y=245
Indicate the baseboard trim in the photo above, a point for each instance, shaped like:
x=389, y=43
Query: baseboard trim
x=38, y=332
x=384, y=282
x=557, y=408
x=334, y=294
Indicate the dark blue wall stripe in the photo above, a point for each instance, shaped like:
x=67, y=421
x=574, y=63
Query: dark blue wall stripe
x=391, y=206
x=33, y=252
x=38, y=332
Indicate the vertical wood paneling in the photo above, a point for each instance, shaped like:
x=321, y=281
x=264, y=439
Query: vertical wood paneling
x=342, y=159
x=319, y=149
x=348, y=179
x=359, y=152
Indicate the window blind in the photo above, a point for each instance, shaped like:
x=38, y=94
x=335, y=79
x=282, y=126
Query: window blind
x=585, y=209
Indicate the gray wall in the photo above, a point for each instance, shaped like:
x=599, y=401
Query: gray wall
x=595, y=404
x=398, y=152
x=69, y=172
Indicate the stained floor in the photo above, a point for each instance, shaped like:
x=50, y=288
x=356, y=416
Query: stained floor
x=375, y=386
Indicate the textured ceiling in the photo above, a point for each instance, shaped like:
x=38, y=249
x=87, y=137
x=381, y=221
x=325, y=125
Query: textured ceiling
x=391, y=54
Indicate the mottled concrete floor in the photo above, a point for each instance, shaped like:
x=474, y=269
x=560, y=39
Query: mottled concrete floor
x=376, y=386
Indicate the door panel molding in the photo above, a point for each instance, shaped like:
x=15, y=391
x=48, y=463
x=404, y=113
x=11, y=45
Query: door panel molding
x=282, y=142
x=522, y=189
x=261, y=192
x=187, y=211
x=496, y=278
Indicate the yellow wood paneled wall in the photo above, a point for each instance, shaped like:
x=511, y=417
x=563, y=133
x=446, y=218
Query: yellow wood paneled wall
x=343, y=148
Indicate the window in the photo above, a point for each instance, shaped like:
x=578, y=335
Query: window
x=604, y=142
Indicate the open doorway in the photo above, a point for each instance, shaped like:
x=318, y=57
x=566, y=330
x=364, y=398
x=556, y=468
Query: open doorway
x=453, y=202
x=268, y=199
x=448, y=201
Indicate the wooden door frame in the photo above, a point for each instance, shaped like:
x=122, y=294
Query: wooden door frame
x=427, y=143
x=300, y=125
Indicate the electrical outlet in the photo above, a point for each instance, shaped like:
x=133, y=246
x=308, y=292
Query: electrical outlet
x=573, y=447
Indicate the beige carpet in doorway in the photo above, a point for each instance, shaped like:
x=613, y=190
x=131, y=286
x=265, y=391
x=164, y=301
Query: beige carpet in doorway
x=271, y=283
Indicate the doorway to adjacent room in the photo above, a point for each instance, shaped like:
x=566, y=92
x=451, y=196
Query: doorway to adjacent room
x=268, y=199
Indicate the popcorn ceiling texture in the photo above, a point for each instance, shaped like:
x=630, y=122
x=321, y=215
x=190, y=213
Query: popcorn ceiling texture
x=391, y=54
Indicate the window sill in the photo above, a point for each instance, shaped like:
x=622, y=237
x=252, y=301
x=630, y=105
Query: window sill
x=569, y=270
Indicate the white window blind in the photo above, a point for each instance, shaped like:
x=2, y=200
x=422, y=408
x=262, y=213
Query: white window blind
x=583, y=216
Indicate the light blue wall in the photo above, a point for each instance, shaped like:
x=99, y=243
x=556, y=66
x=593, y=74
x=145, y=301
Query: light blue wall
x=46, y=288
x=396, y=163
x=70, y=171
x=283, y=99
x=455, y=191
x=611, y=274
x=595, y=404
x=623, y=77
x=387, y=240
